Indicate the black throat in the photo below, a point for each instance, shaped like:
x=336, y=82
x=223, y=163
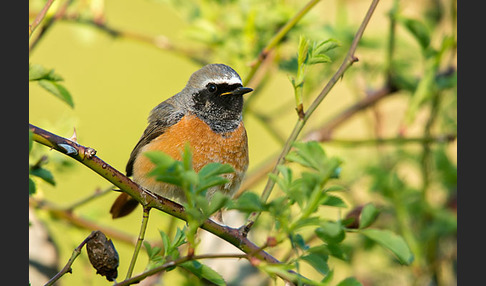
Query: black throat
x=221, y=112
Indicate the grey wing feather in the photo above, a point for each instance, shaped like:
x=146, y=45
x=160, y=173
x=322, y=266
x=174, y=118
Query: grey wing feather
x=161, y=117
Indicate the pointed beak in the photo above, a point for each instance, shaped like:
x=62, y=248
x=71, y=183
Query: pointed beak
x=239, y=91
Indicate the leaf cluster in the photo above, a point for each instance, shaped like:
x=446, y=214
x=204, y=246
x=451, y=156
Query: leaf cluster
x=49, y=80
x=199, y=204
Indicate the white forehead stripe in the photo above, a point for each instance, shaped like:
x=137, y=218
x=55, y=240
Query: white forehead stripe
x=230, y=81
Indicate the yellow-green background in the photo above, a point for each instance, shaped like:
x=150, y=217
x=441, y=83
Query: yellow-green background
x=115, y=82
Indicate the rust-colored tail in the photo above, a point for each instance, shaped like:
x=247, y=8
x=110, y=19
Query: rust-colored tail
x=123, y=206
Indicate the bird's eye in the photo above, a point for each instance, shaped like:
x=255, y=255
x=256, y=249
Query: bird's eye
x=212, y=87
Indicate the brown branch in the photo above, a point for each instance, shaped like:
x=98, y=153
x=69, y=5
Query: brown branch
x=78, y=221
x=324, y=133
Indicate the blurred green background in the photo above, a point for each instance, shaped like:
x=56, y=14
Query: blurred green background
x=116, y=81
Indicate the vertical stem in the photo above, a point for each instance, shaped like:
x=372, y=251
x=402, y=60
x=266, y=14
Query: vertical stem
x=141, y=236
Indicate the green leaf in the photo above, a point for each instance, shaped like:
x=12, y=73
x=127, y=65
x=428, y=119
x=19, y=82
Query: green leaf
x=58, y=90
x=217, y=202
x=303, y=50
x=179, y=238
x=159, y=158
x=298, y=240
x=203, y=272
x=152, y=252
x=215, y=169
x=38, y=72
x=318, y=262
x=247, y=202
x=417, y=29
x=206, y=182
x=43, y=174
x=369, y=213
x=165, y=242
x=309, y=154
x=391, y=241
x=30, y=140
x=335, y=188
x=319, y=59
x=187, y=157
x=331, y=232
x=32, y=187
x=334, y=201
x=350, y=281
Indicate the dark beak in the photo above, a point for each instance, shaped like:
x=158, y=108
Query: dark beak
x=239, y=91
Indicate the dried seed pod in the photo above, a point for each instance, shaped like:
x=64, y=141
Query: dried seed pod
x=103, y=255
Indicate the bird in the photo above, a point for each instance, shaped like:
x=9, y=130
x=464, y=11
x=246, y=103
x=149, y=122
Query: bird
x=207, y=115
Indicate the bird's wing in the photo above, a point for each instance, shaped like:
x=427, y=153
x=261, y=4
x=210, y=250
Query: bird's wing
x=161, y=117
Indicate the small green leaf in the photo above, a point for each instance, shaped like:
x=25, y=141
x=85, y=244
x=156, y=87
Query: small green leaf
x=44, y=174
x=179, y=238
x=203, y=272
x=334, y=201
x=318, y=262
x=331, y=232
x=417, y=29
x=350, y=281
x=319, y=59
x=298, y=240
x=218, y=201
x=215, y=169
x=303, y=50
x=391, y=241
x=32, y=187
x=165, y=242
x=335, y=188
x=30, y=140
x=247, y=202
x=369, y=213
x=159, y=158
x=58, y=90
x=187, y=157
x=152, y=252
x=37, y=72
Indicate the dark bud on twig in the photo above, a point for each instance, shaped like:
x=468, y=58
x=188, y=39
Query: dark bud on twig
x=102, y=255
x=352, y=218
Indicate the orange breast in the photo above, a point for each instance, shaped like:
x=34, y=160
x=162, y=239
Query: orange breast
x=206, y=146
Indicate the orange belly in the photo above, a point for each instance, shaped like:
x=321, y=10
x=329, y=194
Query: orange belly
x=206, y=146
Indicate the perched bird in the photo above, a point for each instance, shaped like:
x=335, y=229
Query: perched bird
x=207, y=114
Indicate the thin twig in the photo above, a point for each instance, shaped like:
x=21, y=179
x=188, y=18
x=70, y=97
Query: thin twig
x=38, y=19
x=394, y=140
x=96, y=194
x=67, y=267
x=176, y=262
x=348, y=61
